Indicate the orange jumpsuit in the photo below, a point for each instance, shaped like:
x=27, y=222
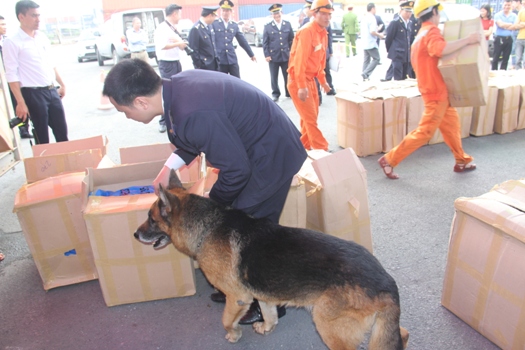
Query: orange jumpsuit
x=307, y=61
x=426, y=52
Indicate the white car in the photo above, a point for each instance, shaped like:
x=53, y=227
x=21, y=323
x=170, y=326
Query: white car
x=85, y=46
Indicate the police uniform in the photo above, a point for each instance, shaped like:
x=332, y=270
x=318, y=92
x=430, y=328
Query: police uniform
x=276, y=44
x=202, y=40
x=397, y=42
x=224, y=35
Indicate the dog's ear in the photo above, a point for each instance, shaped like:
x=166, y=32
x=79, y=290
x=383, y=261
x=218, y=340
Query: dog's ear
x=168, y=203
x=174, y=181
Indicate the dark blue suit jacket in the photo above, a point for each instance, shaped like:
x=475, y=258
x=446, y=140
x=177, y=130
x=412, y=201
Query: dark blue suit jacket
x=398, y=40
x=202, y=42
x=277, y=43
x=224, y=41
x=241, y=130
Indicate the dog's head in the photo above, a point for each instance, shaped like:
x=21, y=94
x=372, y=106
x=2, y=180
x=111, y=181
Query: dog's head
x=162, y=215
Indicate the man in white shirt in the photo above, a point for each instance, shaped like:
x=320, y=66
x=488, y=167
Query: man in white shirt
x=168, y=46
x=137, y=40
x=369, y=40
x=31, y=73
x=23, y=129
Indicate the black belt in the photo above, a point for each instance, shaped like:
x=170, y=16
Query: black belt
x=49, y=87
x=137, y=51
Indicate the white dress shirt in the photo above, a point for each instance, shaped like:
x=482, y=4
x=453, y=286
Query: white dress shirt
x=163, y=34
x=28, y=60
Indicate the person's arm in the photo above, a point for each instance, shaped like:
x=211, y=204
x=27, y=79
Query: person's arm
x=193, y=41
x=21, y=110
x=62, y=90
x=303, y=50
x=390, y=34
x=10, y=55
x=163, y=178
x=266, y=44
x=244, y=44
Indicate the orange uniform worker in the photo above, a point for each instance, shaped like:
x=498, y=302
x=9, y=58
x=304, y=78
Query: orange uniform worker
x=307, y=61
x=428, y=47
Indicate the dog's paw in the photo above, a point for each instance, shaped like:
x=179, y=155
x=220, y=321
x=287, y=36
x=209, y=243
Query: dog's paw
x=234, y=336
x=262, y=327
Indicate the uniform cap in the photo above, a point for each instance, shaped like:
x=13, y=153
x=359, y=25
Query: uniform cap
x=275, y=8
x=407, y=5
x=308, y=4
x=226, y=4
x=207, y=10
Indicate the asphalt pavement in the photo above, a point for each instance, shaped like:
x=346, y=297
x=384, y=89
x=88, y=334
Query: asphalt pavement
x=410, y=218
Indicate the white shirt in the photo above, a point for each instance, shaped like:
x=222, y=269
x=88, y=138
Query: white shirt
x=137, y=40
x=162, y=37
x=278, y=25
x=28, y=60
x=370, y=25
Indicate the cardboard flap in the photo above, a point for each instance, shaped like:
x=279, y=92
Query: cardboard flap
x=49, y=189
x=337, y=167
x=147, y=153
x=48, y=149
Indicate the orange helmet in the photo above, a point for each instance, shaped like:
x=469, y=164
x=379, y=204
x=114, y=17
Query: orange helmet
x=322, y=6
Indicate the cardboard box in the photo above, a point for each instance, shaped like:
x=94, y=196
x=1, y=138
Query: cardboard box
x=359, y=123
x=50, y=214
x=484, y=279
x=483, y=117
x=128, y=270
x=521, y=113
x=294, y=211
x=507, y=108
x=337, y=195
x=465, y=120
x=414, y=106
x=161, y=151
x=465, y=71
x=51, y=159
x=394, y=121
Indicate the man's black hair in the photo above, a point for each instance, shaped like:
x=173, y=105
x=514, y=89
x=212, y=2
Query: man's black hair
x=370, y=6
x=429, y=15
x=129, y=79
x=171, y=8
x=23, y=6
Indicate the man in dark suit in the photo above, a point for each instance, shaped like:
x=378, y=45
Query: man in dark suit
x=242, y=132
x=277, y=41
x=202, y=40
x=398, y=40
x=225, y=31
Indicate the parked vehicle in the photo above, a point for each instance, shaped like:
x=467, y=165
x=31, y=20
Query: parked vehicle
x=111, y=42
x=85, y=46
x=184, y=27
x=253, y=30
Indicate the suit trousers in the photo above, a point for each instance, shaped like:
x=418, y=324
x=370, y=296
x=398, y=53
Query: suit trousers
x=46, y=110
x=167, y=69
x=273, y=206
x=232, y=69
x=371, y=60
x=437, y=114
x=274, y=74
x=311, y=136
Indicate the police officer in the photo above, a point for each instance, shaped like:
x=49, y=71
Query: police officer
x=202, y=40
x=277, y=41
x=398, y=37
x=225, y=30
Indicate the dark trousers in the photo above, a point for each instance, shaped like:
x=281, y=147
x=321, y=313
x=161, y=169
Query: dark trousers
x=46, y=109
x=327, y=72
x=273, y=206
x=213, y=65
x=502, y=47
x=232, y=69
x=167, y=69
x=274, y=74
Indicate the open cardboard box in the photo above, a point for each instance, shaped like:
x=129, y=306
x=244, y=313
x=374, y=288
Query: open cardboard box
x=484, y=281
x=71, y=156
x=128, y=270
x=337, y=195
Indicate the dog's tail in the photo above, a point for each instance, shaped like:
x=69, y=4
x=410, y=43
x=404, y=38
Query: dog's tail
x=386, y=332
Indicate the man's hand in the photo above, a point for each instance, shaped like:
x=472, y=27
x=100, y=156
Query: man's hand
x=474, y=38
x=268, y=59
x=162, y=178
x=303, y=94
x=61, y=91
x=21, y=111
x=326, y=88
x=254, y=59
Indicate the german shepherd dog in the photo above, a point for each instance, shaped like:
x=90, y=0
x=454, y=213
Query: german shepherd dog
x=344, y=286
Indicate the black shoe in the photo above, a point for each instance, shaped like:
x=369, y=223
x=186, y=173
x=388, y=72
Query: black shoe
x=24, y=133
x=383, y=80
x=288, y=96
x=254, y=313
x=275, y=98
x=331, y=92
x=218, y=297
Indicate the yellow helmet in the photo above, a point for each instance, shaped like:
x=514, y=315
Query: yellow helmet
x=422, y=7
x=322, y=6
